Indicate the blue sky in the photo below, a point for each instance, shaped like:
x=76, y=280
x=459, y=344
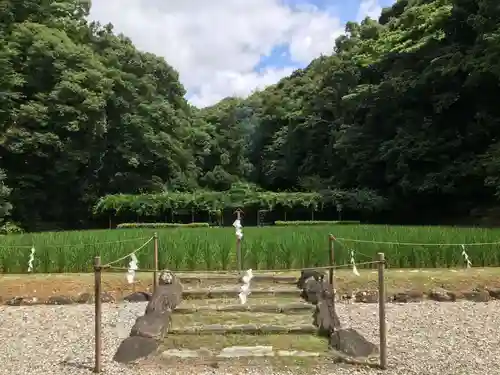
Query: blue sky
x=227, y=48
x=347, y=10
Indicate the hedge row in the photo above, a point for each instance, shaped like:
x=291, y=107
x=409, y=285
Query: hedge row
x=315, y=222
x=161, y=225
x=206, y=225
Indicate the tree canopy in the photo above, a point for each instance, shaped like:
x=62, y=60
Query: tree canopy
x=403, y=110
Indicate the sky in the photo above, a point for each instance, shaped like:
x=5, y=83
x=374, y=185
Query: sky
x=227, y=48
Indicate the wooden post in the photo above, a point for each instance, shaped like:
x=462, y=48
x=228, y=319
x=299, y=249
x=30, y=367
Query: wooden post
x=98, y=313
x=381, y=311
x=239, y=258
x=331, y=257
x=155, y=273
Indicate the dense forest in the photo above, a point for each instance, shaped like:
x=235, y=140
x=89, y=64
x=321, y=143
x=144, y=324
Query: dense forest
x=405, y=108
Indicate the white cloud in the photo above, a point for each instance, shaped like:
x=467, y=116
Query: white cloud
x=369, y=8
x=216, y=44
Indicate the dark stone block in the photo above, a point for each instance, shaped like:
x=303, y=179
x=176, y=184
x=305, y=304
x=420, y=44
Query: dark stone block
x=312, y=291
x=306, y=275
x=442, y=295
x=168, y=294
x=351, y=343
x=59, y=300
x=477, y=296
x=23, y=301
x=367, y=296
x=134, y=348
x=494, y=292
x=84, y=298
x=150, y=329
x=409, y=296
x=325, y=318
x=153, y=325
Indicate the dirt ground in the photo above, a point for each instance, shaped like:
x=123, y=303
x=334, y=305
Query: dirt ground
x=46, y=285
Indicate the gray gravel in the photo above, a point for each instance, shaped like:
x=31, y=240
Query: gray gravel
x=460, y=338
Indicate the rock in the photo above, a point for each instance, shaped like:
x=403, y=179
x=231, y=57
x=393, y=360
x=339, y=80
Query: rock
x=22, y=301
x=494, y=293
x=107, y=297
x=409, y=296
x=134, y=348
x=325, y=318
x=138, y=297
x=84, y=298
x=149, y=330
x=306, y=275
x=368, y=296
x=60, y=300
x=350, y=342
x=348, y=297
x=442, y=295
x=154, y=325
x=312, y=290
x=168, y=294
x=477, y=296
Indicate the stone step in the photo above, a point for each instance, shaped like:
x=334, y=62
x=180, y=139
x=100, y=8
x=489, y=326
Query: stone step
x=234, y=279
x=244, y=329
x=290, y=308
x=237, y=352
x=233, y=293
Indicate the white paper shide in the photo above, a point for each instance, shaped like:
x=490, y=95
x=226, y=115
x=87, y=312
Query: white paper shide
x=245, y=286
x=239, y=228
x=132, y=267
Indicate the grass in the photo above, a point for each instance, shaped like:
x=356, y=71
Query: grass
x=263, y=248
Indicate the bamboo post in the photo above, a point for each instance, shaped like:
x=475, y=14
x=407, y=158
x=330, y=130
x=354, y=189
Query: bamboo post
x=98, y=313
x=155, y=273
x=239, y=257
x=238, y=254
x=381, y=311
x=331, y=257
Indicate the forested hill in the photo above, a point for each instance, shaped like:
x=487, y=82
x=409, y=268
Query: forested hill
x=406, y=107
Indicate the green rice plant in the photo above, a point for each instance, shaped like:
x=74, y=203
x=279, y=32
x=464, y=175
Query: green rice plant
x=271, y=247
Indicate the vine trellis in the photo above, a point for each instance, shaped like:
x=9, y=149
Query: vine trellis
x=213, y=201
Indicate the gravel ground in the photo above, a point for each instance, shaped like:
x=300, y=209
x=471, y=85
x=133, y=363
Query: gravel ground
x=460, y=338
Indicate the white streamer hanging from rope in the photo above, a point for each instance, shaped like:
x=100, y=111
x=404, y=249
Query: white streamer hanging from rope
x=132, y=267
x=245, y=286
x=239, y=229
x=31, y=259
x=466, y=257
x=353, y=263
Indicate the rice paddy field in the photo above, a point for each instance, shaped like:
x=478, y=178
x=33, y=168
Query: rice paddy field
x=267, y=248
